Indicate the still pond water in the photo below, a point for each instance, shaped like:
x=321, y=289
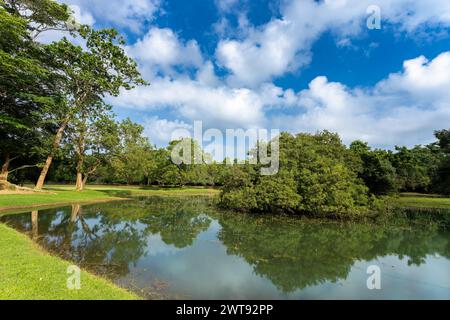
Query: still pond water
x=184, y=248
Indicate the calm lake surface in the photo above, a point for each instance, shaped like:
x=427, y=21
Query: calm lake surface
x=184, y=248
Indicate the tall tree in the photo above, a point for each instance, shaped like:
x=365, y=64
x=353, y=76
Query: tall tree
x=102, y=68
x=26, y=85
x=133, y=160
x=93, y=135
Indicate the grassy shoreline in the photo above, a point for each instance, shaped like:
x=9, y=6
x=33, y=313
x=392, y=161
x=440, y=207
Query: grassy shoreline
x=27, y=272
x=423, y=201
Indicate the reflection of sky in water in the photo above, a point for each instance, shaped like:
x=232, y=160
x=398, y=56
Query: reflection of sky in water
x=203, y=266
x=155, y=247
x=194, y=271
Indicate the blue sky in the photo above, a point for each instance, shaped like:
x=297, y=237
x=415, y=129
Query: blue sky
x=300, y=65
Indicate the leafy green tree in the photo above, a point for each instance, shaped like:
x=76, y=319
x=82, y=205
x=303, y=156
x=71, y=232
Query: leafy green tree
x=94, y=136
x=41, y=15
x=26, y=84
x=278, y=193
x=102, y=68
x=133, y=160
x=317, y=176
x=238, y=191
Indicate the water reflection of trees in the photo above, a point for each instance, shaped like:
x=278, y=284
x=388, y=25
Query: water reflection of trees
x=294, y=254
x=108, y=237
x=178, y=220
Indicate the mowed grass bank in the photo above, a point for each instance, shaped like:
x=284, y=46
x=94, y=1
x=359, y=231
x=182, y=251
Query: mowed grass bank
x=58, y=194
x=27, y=272
x=413, y=200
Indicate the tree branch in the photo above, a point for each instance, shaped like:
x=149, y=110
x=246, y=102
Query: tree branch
x=23, y=167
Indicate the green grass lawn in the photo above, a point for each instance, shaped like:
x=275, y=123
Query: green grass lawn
x=57, y=194
x=28, y=272
x=424, y=201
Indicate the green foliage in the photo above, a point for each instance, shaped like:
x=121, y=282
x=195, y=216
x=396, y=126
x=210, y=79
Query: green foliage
x=101, y=68
x=132, y=159
x=52, y=104
x=40, y=15
x=317, y=177
x=377, y=171
x=415, y=167
x=47, y=90
x=278, y=194
x=238, y=191
x=23, y=80
x=441, y=180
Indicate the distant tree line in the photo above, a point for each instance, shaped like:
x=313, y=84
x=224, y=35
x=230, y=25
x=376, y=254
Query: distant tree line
x=319, y=175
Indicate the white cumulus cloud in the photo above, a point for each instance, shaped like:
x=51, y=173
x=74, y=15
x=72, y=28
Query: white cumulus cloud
x=162, y=49
x=131, y=14
x=405, y=108
x=283, y=44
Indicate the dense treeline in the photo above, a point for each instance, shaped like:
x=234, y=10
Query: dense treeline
x=319, y=175
x=55, y=126
x=419, y=169
x=133, y=160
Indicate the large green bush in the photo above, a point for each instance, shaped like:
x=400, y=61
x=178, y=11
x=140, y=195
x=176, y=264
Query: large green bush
x=318, y=176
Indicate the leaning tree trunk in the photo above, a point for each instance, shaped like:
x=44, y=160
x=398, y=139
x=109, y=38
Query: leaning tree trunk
x=85, y=178
x=48, y=162
x=4, y=173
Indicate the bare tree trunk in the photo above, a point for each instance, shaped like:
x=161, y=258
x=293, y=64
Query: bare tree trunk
x=79, y=184
x=4, y=172
x=44, y=171
x=48, y=162
x=80, y=154
x=80, y=162
x=80, y=150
